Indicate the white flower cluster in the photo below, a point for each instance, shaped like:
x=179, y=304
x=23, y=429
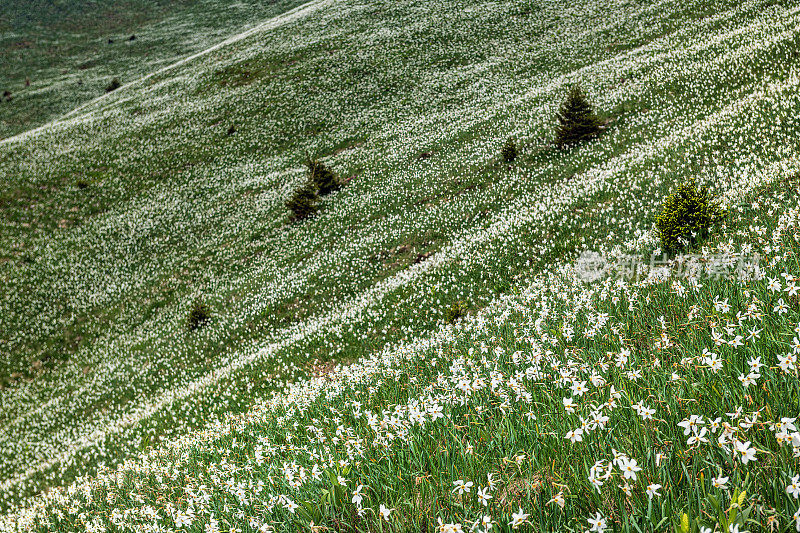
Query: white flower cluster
x=673, y=370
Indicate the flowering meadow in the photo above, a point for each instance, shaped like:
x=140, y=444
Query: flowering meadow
x=56, y=57
x=328, y=392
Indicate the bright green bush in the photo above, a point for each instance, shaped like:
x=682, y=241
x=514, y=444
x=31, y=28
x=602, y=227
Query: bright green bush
x=687, y=217
x=456, y=311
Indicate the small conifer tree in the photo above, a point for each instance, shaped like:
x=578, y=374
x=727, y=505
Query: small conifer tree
x=322, y=177
x=303, y=202
x=199, y=315
x=113, y=85
x=576, y=119
x=687, y=217
x=509, y=151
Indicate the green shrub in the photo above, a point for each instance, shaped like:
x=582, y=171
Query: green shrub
x=199, y=315
x=113, y=85
x=576, y=119
x=322, y=177
x=509, y=151
x=687, y=217
x=501, y=287
x=303, y=202
x=456, y=311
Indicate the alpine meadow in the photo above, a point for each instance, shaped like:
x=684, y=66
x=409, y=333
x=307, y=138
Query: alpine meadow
x=389, y=266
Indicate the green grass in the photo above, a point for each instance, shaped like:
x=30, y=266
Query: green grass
x=117, y=218
x=56, y=56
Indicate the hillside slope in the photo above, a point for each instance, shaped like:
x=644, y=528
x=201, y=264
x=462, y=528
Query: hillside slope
x=56, y=56
x=116, y=219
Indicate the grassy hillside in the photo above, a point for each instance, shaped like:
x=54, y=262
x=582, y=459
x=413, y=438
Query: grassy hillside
x=117, y=219
x=56, y=56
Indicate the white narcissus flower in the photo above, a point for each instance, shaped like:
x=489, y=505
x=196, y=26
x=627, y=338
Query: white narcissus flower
x=720, y=482
x=212, y=526
x=518, y=518
x=598, y=523
x=484, y=496
x=794, y=487
x=745, y=451
x=558, y=499
x=575, y=435
x=485, y=522
x=462, y=486
x=652, y=490
x=569, y=404
x=290, y=505
x=629, y=469
x=357, y=496
x=384, y=512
